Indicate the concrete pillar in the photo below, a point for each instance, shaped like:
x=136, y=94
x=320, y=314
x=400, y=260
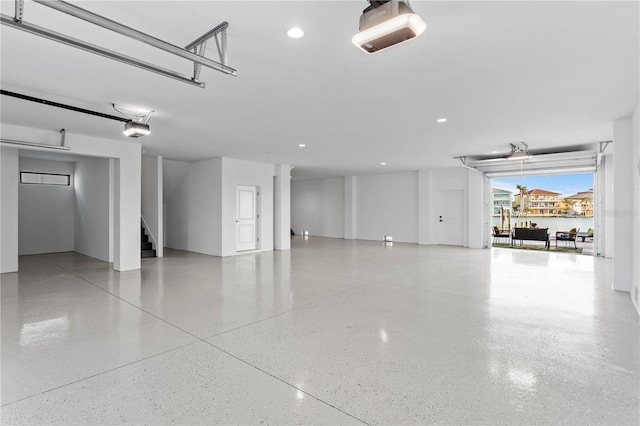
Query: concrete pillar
x=349, y=207
x=424, y=216
x=623, y=169
x=476, y=209
x=282, y=207
x=9, y=210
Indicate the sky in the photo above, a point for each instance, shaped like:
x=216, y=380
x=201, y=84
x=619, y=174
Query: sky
x=563, y=184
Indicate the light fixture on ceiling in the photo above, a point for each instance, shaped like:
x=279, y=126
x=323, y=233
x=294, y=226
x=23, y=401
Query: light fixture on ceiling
x=441, y=120
x=295, y=33
x=134, y=129
x=138, y=125
x=383, y=164
x=519, y=154
x=301, y=145
x=387, y=23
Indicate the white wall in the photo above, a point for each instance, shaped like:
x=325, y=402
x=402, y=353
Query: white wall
x=635, y=236
x=318, y=206
x=403, y=205
x=91, y=212
x=152, y=200
x=451, y=179
x=193, y=205
x=238, y=172
x=126, y=195
x=46, y=223
x=387, y=205
x=8, y=210
x=204, y=206
x=201, y=206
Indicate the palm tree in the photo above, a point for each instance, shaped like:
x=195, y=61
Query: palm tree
x=567, y=205
x=523, y=190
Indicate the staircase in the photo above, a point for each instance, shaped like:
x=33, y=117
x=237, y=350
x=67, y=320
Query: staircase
x=146, y=248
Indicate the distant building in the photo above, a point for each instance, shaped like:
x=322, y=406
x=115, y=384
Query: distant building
x=501, y=198
x=582, y=203
x=542, y=203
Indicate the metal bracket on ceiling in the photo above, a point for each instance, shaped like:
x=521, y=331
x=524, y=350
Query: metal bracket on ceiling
x=603, y=146
x=196, y=56
x=199, y=46
x=463, y=160
x=19, y=10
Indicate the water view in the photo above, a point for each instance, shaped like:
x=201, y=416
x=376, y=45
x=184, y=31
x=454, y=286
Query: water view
x=553, y=223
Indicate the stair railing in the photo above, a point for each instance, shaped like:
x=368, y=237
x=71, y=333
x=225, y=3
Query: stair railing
x=151, y=236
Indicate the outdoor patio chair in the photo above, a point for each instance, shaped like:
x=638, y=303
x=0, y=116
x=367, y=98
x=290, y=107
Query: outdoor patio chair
x=497, y=234
x=567, y=236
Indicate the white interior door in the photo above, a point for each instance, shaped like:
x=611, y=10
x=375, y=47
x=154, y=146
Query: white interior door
x=450, y=217
x=246, y=218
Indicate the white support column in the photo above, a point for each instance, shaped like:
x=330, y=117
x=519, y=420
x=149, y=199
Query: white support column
x=282, y=207
x=424, y=214
x=9, y=210
x=623, y=169
x=349, y=207
x=603, y=213
x=112, y=207
x=476, y=209
x=160, y=237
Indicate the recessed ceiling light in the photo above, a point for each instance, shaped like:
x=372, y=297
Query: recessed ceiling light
x=494, y=152
x=383, y=164
x=442, y=120
x=301, y=145
x=295, y=33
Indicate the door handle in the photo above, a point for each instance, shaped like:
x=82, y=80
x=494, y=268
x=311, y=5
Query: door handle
x=237, y=221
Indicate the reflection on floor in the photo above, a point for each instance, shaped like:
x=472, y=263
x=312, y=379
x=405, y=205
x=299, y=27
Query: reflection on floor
x=330, y=332
x=539, y=247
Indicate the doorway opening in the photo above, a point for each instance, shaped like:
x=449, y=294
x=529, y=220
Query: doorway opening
x=247, y=218
x=563, y=205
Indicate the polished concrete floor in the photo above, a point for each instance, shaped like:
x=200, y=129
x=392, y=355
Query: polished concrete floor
x=330, y=332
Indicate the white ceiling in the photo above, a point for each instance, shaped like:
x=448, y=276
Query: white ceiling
x=552, y=74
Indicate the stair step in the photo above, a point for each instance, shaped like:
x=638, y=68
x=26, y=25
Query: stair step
x=146, y=246
x=148, y=253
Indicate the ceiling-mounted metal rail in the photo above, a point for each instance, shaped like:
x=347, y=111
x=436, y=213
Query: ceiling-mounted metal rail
x=464, y=163
x=119, y=28
x=61, y=147
x=88, y=47
x=196, y=56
